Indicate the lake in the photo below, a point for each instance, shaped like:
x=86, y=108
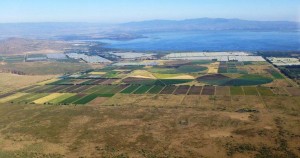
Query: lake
x=212, y=41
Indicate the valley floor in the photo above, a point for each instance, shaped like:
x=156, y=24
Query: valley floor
x=211, y=128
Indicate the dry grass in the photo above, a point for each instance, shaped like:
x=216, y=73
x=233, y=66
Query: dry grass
x=213, y=68
x=131, y=131
x=47, y=67
x=9, y=82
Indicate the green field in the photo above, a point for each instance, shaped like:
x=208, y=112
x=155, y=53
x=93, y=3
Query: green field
x=142, y=89
x=106, y=89
x=94, y=89
x=179, y=70
x=276, y=74
x=248, y=80
x=191, y=68
x=117, y=89
x=155, y=89
x=265, y=91
x=172, y=81
x=222, y=70
x=250, y=91
x=111, y=74
x=105, y=95
x=12, y=59
x=20, y=99
x=201, y=62
x=71, y=100
x=236, y=91
x=86, y=99
x=33, y=97
x=130, y=89
x=141, y=81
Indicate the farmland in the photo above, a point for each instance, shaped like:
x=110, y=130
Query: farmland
x=171, y=78
x=156, y=89
x=183, y=107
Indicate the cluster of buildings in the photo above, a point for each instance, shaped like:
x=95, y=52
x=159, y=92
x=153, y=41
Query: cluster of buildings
x=218, y=56
x=133, y=55
x=42, y=57
x=88, y=59
x=284, y=61
x=149, y=63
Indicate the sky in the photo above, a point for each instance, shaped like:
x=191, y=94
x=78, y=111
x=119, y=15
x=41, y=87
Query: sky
x=118, y=11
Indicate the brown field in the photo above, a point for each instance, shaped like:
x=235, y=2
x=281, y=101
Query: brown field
x=258, y=69
x=208, y=90
x=195, y=90
x=293, y=91
x=182, y=90
x=133, y=80
x=191, y=101
x=279, y=91
x=99, y=81
x=206, y=101
x=224, y=91
x=254, y=102
x=9, y=82
x=168, y=90
x=46, y=68
x=109, y=81
x=279, y=83
x=173, y=100
x=238, y=102
x=222, y=102
x=98, y=101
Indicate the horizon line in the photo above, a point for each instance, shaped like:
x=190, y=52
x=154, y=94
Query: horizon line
x=135, y=21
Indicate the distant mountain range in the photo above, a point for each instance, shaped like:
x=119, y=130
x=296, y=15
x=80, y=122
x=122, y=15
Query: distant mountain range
x=209, y=24
x=136, y=29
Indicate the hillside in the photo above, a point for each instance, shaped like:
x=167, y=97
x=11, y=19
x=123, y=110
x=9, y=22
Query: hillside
x=13, y=46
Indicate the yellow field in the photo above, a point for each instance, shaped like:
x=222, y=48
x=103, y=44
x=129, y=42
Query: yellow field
x=213, y=68
x=48, y=98
x=48, y=81
x=142, y=74
x=165, y=76
x=12, y=97
x=97, y=73
x=182, y=77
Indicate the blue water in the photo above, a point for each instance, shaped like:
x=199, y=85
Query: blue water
x=212, y=41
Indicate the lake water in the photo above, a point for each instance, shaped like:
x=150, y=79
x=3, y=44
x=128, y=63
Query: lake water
x=212, y=41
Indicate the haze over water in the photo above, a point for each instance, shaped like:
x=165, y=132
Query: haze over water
x=212, y=41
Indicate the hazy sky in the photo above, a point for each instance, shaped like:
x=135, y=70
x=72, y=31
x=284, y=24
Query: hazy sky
x=111, y=11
